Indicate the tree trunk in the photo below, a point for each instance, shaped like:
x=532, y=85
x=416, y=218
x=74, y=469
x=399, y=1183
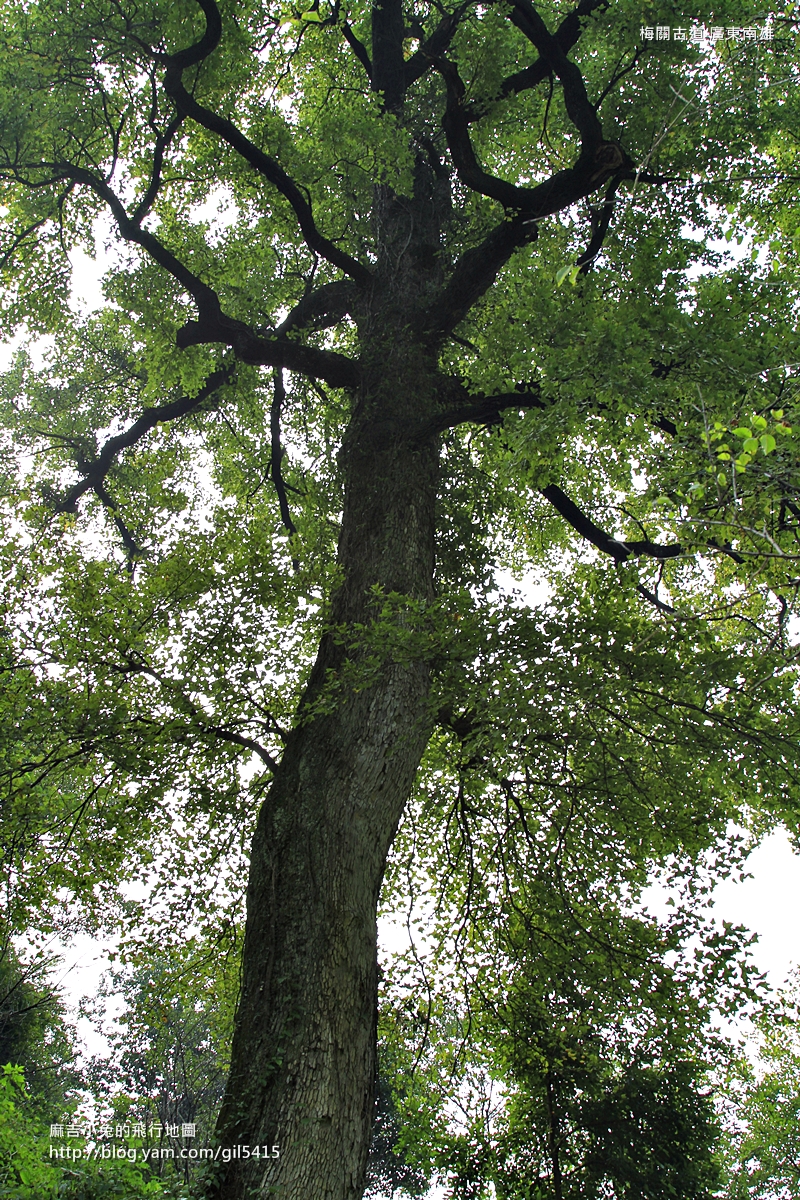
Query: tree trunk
x=303, y=1062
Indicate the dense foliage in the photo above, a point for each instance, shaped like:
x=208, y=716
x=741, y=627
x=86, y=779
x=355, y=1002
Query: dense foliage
x=516, y=272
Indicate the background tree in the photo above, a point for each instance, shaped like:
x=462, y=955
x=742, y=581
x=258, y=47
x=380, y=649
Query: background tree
x=34, y=1034
x=335, y=383
x=763, y=1101
x=169, y=1045
x=555, y=1039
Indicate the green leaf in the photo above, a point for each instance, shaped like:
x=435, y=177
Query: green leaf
x=570, y=272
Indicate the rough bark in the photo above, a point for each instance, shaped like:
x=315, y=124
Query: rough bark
x=303, y=1062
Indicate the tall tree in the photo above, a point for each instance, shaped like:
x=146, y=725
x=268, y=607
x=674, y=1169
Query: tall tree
x=364, y=257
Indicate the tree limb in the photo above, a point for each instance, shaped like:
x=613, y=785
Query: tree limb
x=596, y=161
x=276, y=457
x=270, y=169
x=388, y=67
x=567, y=34
x=358, y=48
x=94, y=472
x=477, y=269
x=601, y=219
x=322, y=308
x=423, y=59
x=205, y=45
x=619, y=551
x=203, y=722
x=213, y=325
x=132, y=547
x=580, y=109
x=474, y=274
x=162, y=142
x=205, y=297
x=249, y=347
x=483, y=410
x=470, y=171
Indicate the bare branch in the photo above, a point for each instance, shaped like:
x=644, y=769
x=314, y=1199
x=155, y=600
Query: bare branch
x=585, y=526
x=270, y=169
x=358, y=48
x=322, y=308
x=482, y=410
x=95, y=472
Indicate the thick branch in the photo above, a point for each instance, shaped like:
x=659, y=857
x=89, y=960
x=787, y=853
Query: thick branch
x=482, y=410
x=213, y=325
x=271, y=170
x=474, y=274
x=95, y=472
x=276, y=457
x=358, y=48
x=596, y=162
x=477, y=269
x=423, y=59
x=132, y=547
x=579, y=108
x=322, y=308
x=470, y=171
x=567, y=34
x=205, y=297
x=601, y=219
x=336, y=369
x=388, y=67
x=206, y=45
x=585, y=526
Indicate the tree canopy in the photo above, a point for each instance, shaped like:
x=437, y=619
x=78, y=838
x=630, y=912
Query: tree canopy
x=401, y=298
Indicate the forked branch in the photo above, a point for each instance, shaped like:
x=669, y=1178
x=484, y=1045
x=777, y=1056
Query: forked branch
x=482, y=410
x=213, y=325
x=433, y=47
x=566, y=36
x=579, y=108
x=270, y=169
x=620, y=551
x=95, y=472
